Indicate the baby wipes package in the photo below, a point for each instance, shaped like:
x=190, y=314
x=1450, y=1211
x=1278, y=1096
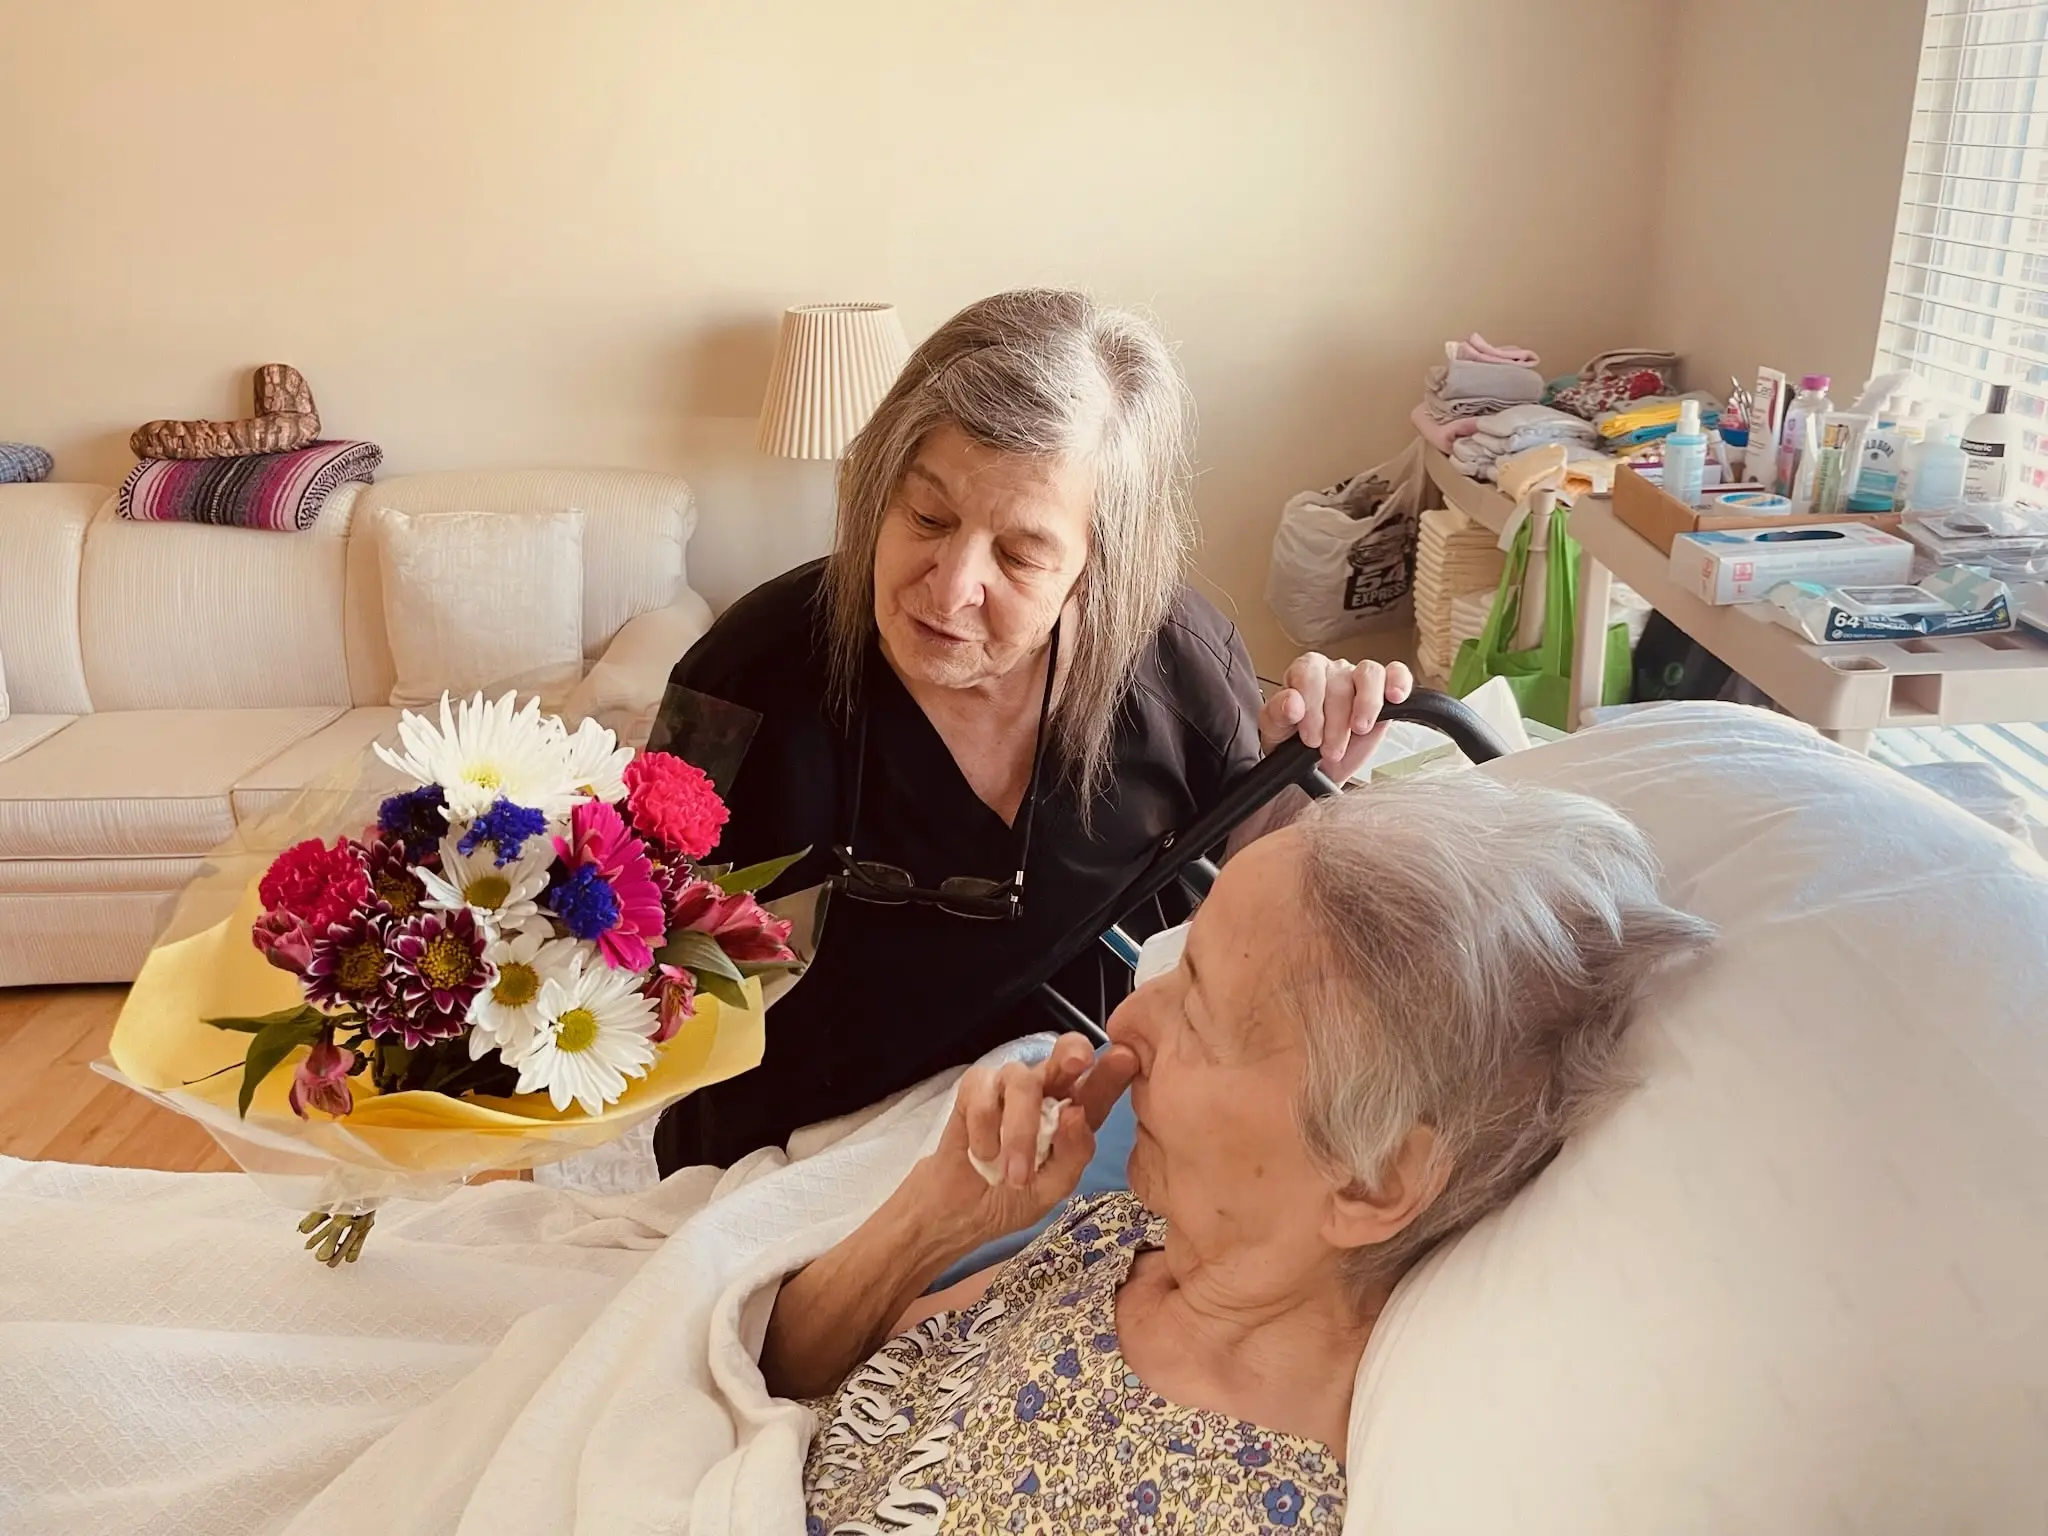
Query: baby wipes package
x=1741, y=565
x=1956, y=601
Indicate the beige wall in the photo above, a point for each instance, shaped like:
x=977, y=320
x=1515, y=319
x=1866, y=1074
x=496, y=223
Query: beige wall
x=1789, y=268
x=513, y=232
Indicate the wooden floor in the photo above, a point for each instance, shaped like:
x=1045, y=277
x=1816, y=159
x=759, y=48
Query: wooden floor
x=53, y=1105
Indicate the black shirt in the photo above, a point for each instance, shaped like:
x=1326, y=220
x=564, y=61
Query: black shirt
x=897, y=993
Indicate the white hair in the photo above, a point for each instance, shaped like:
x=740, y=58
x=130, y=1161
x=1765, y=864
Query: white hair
x=1485, y=944
x=1051, y=375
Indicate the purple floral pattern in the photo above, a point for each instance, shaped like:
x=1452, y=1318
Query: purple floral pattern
x=1056, y=1432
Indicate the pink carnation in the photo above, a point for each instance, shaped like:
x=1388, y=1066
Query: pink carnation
x=316, y=884
x=674, y=803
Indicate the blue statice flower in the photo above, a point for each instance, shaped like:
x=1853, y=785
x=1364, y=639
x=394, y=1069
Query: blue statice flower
x=585, y=902
x=416, y=819
x=506, y=827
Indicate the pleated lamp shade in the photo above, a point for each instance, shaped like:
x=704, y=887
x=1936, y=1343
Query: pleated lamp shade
x=833, y=364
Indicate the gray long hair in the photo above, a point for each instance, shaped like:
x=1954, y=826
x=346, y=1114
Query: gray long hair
x=1054, y=375
x=1485, y=944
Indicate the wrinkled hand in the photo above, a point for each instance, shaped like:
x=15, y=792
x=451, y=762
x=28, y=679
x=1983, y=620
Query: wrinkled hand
x=996, y=1115
x=1334, y=706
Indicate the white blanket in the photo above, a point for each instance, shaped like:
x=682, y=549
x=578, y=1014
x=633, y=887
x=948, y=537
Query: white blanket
x=514, y=1359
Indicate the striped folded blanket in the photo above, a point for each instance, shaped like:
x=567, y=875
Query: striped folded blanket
x=282, y=492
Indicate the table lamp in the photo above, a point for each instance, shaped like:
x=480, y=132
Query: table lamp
x=833, y=364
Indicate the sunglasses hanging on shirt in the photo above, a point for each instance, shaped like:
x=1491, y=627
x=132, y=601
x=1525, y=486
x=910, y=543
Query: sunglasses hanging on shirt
x=973, y=896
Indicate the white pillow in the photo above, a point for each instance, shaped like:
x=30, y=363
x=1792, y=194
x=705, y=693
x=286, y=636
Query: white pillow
x=1797, y=1281
x=482, y=600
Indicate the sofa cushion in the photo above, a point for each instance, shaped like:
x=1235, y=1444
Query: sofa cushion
x=482, y=600
x=20, y=732
x=311, y=760
x=637, y=526
x=140, y=783
x=184, y=616
x=42, y=541
x=48, y=877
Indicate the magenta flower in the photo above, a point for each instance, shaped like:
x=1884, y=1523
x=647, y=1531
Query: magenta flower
x=605, y=891
x=321, y=1081
x=743, y=927
x=347, y=966
x=392, y=881
x=437, y=968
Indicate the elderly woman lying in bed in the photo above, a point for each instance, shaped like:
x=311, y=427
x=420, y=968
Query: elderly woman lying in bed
x=1386, y=1020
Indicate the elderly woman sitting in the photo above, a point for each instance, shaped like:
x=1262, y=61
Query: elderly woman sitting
x=1386, y=1020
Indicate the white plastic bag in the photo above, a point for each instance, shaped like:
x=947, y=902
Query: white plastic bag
x=1344, y=558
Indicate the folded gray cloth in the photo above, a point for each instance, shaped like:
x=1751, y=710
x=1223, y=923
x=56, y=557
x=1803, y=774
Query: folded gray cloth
x=1489, y=381
x=1440, y=409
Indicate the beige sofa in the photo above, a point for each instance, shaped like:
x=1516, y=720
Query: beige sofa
x=169, y=682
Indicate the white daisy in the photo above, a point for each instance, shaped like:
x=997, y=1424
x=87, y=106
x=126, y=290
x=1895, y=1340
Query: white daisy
x=506, y=1014
x=501, y=895
x=593, y=1036
x=596, y=762
x=483, y=752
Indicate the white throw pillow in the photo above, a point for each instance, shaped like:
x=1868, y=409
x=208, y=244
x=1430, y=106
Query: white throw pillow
x=482, y=600
x=1797, y=1280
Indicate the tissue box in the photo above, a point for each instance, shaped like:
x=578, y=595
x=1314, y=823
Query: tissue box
x=1741, y=565
x=1956, y=601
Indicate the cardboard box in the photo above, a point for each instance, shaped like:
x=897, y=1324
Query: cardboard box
x=1741, y=565
x=1661, y=518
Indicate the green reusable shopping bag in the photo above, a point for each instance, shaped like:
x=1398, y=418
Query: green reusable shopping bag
x=1541, y=677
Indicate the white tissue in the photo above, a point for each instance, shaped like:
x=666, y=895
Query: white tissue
x=1048, y=1122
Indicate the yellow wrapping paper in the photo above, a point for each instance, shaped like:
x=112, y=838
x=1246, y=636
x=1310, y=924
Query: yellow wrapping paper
x=389, y=1144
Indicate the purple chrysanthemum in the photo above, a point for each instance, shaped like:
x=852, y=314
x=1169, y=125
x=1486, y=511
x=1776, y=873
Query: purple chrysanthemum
x=392, y=881
x=437, y=968
x=506, y=827
x=349, y=966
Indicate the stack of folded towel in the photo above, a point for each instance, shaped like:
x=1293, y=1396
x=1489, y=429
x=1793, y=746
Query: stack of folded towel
x=1476, y=378
x=1495, y=437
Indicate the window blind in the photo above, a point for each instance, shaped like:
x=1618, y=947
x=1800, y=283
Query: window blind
x=1966, y=303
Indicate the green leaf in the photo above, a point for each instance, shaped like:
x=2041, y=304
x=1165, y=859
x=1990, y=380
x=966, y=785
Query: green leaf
x=768, y=967
x=264, y=1021
x=698, y=952
x=755, y=876
x=275, y=1041
x=724, y=988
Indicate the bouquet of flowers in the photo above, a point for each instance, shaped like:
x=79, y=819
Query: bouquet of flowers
x=520, y=955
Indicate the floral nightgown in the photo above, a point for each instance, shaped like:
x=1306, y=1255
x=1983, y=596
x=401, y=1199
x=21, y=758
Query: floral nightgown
x=1018, y=1414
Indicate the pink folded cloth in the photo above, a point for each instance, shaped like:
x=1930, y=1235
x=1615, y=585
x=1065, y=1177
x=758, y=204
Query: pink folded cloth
x=1477, y=349
x=1440, y=435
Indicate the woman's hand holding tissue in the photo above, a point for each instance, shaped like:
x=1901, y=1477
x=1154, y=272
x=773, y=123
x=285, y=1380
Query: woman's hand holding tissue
x=836, y=1311
x=997, y=1118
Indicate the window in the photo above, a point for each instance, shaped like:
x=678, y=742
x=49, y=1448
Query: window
x=1968, y=292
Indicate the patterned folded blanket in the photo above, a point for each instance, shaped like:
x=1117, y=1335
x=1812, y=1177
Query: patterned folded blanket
x=24, y=463
x=282, y=492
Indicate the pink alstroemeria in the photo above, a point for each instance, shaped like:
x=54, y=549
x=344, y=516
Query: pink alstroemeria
x=675, y=989
x=321, y=1081
x=744, y=928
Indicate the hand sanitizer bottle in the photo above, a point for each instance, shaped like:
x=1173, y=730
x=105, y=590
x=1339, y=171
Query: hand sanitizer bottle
x=1685, y=456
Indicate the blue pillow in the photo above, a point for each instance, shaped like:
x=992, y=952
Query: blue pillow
x=21, y=463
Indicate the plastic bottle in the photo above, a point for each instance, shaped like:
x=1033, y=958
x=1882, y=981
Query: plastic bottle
x=1877, y=477
x=1939, y=471
x=1812, y=400
x=1685, y=456
x=1913, y=431
x=1992, y=442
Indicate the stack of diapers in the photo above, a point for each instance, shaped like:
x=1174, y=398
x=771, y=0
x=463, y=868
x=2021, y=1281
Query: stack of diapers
x=1797, y=1280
